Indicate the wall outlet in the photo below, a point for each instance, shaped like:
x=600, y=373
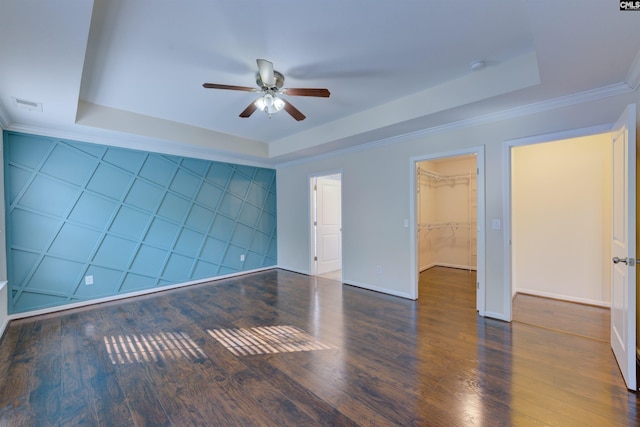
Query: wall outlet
x=379, y=269
x=88, y=280
x=242, y=258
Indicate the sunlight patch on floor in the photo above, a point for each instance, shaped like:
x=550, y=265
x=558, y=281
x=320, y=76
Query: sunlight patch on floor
x=268, y=339
x=125, y=349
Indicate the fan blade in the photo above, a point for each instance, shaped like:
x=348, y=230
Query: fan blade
x=265, y=68
x=251, y=108
x=322, y=93
x=229, y=87
x=295, y=113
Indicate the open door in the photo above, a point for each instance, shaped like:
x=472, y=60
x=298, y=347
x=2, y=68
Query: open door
x=328, y=223
x=623, y=246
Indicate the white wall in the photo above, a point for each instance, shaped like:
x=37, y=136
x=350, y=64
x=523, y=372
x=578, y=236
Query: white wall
x=4, y=307
x=376, y=194
x=3, y=245
x=561, y=219
x=4, y=303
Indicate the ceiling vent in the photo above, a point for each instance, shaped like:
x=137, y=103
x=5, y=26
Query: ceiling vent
x=27, y=105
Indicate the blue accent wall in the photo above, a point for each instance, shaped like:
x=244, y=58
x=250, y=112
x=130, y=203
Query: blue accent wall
x=133, y=220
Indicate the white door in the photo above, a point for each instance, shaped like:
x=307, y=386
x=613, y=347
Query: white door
x=623, y=246
x=329, y=227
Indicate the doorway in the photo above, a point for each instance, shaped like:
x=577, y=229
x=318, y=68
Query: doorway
x=622, y=208
x=326, y=226
x=560, y=207
x=447, y=198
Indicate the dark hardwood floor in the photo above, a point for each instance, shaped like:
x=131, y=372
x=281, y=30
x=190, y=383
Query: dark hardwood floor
x=204, y=356
x=563, y=316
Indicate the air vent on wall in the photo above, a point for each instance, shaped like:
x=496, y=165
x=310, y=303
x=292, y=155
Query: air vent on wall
x=27, y=105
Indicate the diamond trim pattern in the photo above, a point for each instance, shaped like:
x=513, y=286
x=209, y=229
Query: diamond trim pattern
x=133, y=220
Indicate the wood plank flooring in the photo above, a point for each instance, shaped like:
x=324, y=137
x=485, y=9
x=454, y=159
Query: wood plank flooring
x=563, y=316
x=389, y=361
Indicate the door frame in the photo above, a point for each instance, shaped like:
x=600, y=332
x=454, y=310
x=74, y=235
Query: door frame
x=480, y=218
x=313, y=265
x=506, y=196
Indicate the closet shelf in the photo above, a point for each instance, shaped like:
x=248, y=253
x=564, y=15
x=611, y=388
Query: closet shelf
x=436, y=177
x=442, y=225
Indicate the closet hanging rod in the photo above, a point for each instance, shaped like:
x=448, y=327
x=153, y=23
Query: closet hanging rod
x=437, y=177
x=440, y=225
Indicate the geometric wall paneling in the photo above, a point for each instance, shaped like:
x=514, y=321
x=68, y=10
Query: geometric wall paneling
x=128, y=219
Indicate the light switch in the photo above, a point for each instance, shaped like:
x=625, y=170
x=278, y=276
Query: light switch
x=495, y=224
x=406, y=222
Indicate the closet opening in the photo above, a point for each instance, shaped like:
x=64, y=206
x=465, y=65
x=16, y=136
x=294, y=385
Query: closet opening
x=561, y=194
x=447, y=203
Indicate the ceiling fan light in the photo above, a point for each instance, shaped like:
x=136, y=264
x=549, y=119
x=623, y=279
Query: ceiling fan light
x=269, y=104
x=278, y=104
x=268, y=100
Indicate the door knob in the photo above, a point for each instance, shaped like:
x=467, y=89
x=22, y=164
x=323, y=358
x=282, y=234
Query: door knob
x=631, y=262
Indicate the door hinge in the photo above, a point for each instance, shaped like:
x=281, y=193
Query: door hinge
x=315, y=222
x=315, y=258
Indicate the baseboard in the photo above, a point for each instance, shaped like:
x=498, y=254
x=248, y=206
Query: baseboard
x=4, y=305
x=3, y=328
x=637, y=368
x=447, y=265
x=497, y=316
x=549, y=295
x=428, y=266
x=378, y=289
x=293, y=270
x=81, y=304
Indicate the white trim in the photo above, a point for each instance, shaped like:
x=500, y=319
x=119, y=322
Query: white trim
x=507, y=296
x=633, y=75
x=373, y=288
x=313, y=265
x=4, y=117
x=133, y=142
x=537, y=107
x=131, y=294
x=447, y=265
x=497, y=316
x=428, y=266
x=361, y=285
x=506, y=197
x=559, y=297
x=4, y=308
x=175, y=148
x=481, y=226
x=313, y=245
x=557, y=136
x=293, y=270
x=4, y=325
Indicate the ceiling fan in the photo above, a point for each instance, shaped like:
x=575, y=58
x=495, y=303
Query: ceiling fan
x=270, y=84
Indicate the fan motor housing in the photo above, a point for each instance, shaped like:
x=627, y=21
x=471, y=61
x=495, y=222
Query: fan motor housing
x=277, y=77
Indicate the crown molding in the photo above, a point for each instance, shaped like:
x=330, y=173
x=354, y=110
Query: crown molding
x=633, y=75
x=4, y=117
x=133, y=142
x=537, y=107
x=166, y=147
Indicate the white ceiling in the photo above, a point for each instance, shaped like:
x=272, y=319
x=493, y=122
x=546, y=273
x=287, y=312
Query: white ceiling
x=132, y=70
